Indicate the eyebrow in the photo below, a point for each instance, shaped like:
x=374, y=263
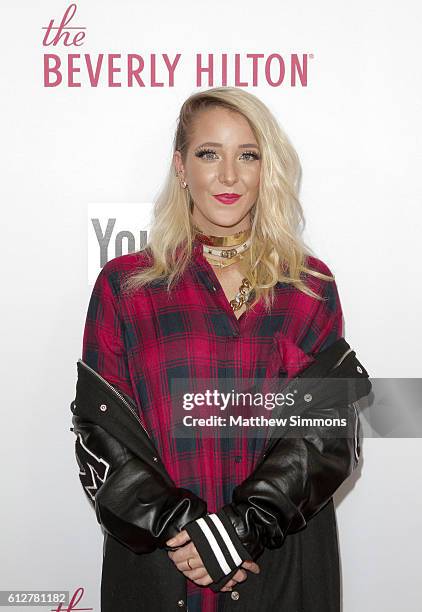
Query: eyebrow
x=218, y=144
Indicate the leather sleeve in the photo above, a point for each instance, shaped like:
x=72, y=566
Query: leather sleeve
x=295, y=478
x=135, y=503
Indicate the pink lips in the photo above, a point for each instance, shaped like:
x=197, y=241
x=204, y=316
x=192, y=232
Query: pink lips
x=227, y=198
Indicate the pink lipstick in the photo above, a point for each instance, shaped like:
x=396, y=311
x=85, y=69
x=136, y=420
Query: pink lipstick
x=227, y=198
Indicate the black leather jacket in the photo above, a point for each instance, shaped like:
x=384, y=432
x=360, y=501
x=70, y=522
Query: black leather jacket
x=139, y=505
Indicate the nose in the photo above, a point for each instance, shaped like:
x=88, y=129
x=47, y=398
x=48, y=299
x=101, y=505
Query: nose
x=227, y=172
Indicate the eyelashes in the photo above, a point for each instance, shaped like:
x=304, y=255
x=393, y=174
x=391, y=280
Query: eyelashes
x=202, y=154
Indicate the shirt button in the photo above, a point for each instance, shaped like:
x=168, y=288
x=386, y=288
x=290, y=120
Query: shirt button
x=235, y=595
x=238, y=458
x=214, y=288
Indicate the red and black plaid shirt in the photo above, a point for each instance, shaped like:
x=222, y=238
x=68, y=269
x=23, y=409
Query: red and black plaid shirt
x=140, y=343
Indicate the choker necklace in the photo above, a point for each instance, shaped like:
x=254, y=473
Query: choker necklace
x=225, y=257
x=228, y=253
x=222, y=241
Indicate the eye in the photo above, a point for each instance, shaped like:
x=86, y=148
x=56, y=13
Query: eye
x=252, y=154
x=205, y=153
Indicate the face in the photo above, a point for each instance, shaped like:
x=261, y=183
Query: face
x=223, y=157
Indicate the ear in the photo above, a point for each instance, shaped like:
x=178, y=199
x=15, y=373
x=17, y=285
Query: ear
x=178, y=163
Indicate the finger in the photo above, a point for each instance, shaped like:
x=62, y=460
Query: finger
x=190, y=563
x=180, y=539
x=183, y=566
x=182, y=554
x=229, y=585
x=240, y=576
x=251, y=566
x=205, y=581
x=195, y=574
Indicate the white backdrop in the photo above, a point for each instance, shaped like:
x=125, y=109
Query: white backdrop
x=356, y=127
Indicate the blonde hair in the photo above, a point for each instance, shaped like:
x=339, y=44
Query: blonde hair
x=277, y=253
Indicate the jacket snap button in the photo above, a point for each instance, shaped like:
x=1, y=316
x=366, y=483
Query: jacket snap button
x=359, y=369
x=156, y=459
x=103, y=407
x=307, y=397
x=180, y=603
x=235, y=595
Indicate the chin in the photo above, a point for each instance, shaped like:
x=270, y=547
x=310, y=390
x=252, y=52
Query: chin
x=225, y=218
x=227, y=223
x=229, y=217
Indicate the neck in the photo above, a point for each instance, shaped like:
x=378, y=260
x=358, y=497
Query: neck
x=204, y=226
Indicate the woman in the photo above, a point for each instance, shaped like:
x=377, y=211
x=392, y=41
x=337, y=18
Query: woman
x=224, y=287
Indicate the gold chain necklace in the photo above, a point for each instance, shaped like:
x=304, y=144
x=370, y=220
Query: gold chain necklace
x=246, y=291
x=244, y=296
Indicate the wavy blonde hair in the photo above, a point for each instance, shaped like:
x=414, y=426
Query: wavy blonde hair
x=277, y=253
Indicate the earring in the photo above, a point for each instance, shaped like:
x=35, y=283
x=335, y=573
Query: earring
x=182, y=182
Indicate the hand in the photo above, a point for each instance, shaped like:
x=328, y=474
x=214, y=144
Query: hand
x=199, y=574
x=196, y=572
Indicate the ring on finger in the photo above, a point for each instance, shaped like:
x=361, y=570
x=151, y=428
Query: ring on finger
x=189, y=565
